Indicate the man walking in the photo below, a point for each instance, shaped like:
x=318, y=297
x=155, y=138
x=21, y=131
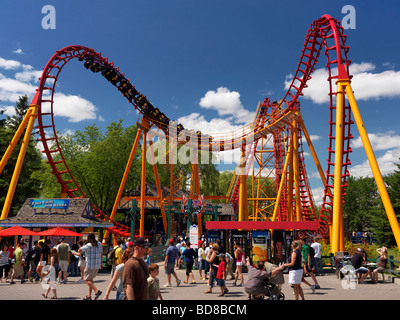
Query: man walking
x=93, y=257
x=171, y=258
x=317, y=256
x=135, y=273
x=63, y=251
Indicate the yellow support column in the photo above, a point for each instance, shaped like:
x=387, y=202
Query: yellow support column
x=143, y=185
x=31, y=114
x=374, y=165
x=282, y=182
x=243, y=203
x=337, y=186
x=296, y=170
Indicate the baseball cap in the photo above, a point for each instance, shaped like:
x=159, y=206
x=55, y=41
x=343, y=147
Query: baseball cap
x=221, y=255
x=142, y=242
x=358, y=249
x=171, y=241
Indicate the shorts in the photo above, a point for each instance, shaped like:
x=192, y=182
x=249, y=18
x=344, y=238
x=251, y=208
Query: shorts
x=239, y=263
x=220, y=283
x=63, y=265
x=170, y=268
x=202, y=265
x=18, y=270
x=32, y=265
x=380, y=269
x=90, y=274
x=362, y=270
x=295, y=276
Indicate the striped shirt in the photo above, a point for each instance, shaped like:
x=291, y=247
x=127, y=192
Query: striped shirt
x=93, y=255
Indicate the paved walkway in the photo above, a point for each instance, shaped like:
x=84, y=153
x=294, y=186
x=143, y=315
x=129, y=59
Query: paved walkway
x=331, y=289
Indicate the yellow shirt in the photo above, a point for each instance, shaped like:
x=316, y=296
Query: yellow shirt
x=118, y=254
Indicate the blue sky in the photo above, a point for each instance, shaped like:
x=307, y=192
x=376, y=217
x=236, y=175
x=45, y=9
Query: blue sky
x=181, y=54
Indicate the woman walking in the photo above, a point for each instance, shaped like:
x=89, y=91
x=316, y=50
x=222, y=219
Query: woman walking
x=295, y=270
x=239, y=256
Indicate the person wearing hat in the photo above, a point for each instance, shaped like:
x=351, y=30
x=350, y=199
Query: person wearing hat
x=357, y=261
x=135, y=273
x=171, y=258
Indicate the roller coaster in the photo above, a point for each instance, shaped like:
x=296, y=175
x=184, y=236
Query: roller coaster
x=271, y=146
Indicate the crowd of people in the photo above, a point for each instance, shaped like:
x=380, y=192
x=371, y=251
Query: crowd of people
x=134, y=277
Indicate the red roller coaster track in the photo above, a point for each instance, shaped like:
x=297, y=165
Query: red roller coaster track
x=325, y=32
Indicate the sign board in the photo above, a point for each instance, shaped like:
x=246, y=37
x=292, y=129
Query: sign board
x=194, y=236
x=50, y=203
x=261, y=245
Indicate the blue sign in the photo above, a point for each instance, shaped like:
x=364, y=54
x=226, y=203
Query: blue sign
x=50, y=203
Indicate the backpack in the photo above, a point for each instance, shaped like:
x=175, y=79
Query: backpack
x=111, y=256
x=312, y=251
x=29, y=255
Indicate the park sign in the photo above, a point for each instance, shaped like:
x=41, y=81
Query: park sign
x=49, y=204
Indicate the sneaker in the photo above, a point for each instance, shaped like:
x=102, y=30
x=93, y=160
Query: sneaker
x=317, y=286
x=193, y=282
x=313, y=288
x=168, y=285
x=178, y=282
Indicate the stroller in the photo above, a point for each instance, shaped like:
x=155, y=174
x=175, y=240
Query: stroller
x=342, y=264
x=273, y=285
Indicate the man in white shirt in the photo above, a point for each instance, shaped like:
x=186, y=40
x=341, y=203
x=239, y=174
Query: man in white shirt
x=317, y=256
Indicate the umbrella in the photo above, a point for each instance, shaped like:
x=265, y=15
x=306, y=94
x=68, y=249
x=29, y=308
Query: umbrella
x=17, y=231
x=59, y=232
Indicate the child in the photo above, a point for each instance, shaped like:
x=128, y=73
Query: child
x=221, y=275
x=153, y=282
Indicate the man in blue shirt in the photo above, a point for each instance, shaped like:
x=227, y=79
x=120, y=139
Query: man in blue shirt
x=171, y=258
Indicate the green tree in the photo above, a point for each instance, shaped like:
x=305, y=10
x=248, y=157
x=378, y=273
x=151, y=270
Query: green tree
x=98, y=160
x=360, y=203
x=28, y=185
x=382, y=228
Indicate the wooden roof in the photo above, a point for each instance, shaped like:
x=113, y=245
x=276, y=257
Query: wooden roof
x=79, y=214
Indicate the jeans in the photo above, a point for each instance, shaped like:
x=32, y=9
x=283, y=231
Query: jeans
x=318, y=266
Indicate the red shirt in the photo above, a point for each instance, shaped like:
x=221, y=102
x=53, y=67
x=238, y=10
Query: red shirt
x=221, y=269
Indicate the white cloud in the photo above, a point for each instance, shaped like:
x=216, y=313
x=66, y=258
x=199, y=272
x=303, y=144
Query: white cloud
x=226, y=103
x=24, y=82
x=18, y=51
x=11, y=89
x=366, y=83
x=196, y=121
x=75, y=108
x=386, y=163
x=388, y=141
x=379, y=141
x=318, y=195
x=28, y=76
